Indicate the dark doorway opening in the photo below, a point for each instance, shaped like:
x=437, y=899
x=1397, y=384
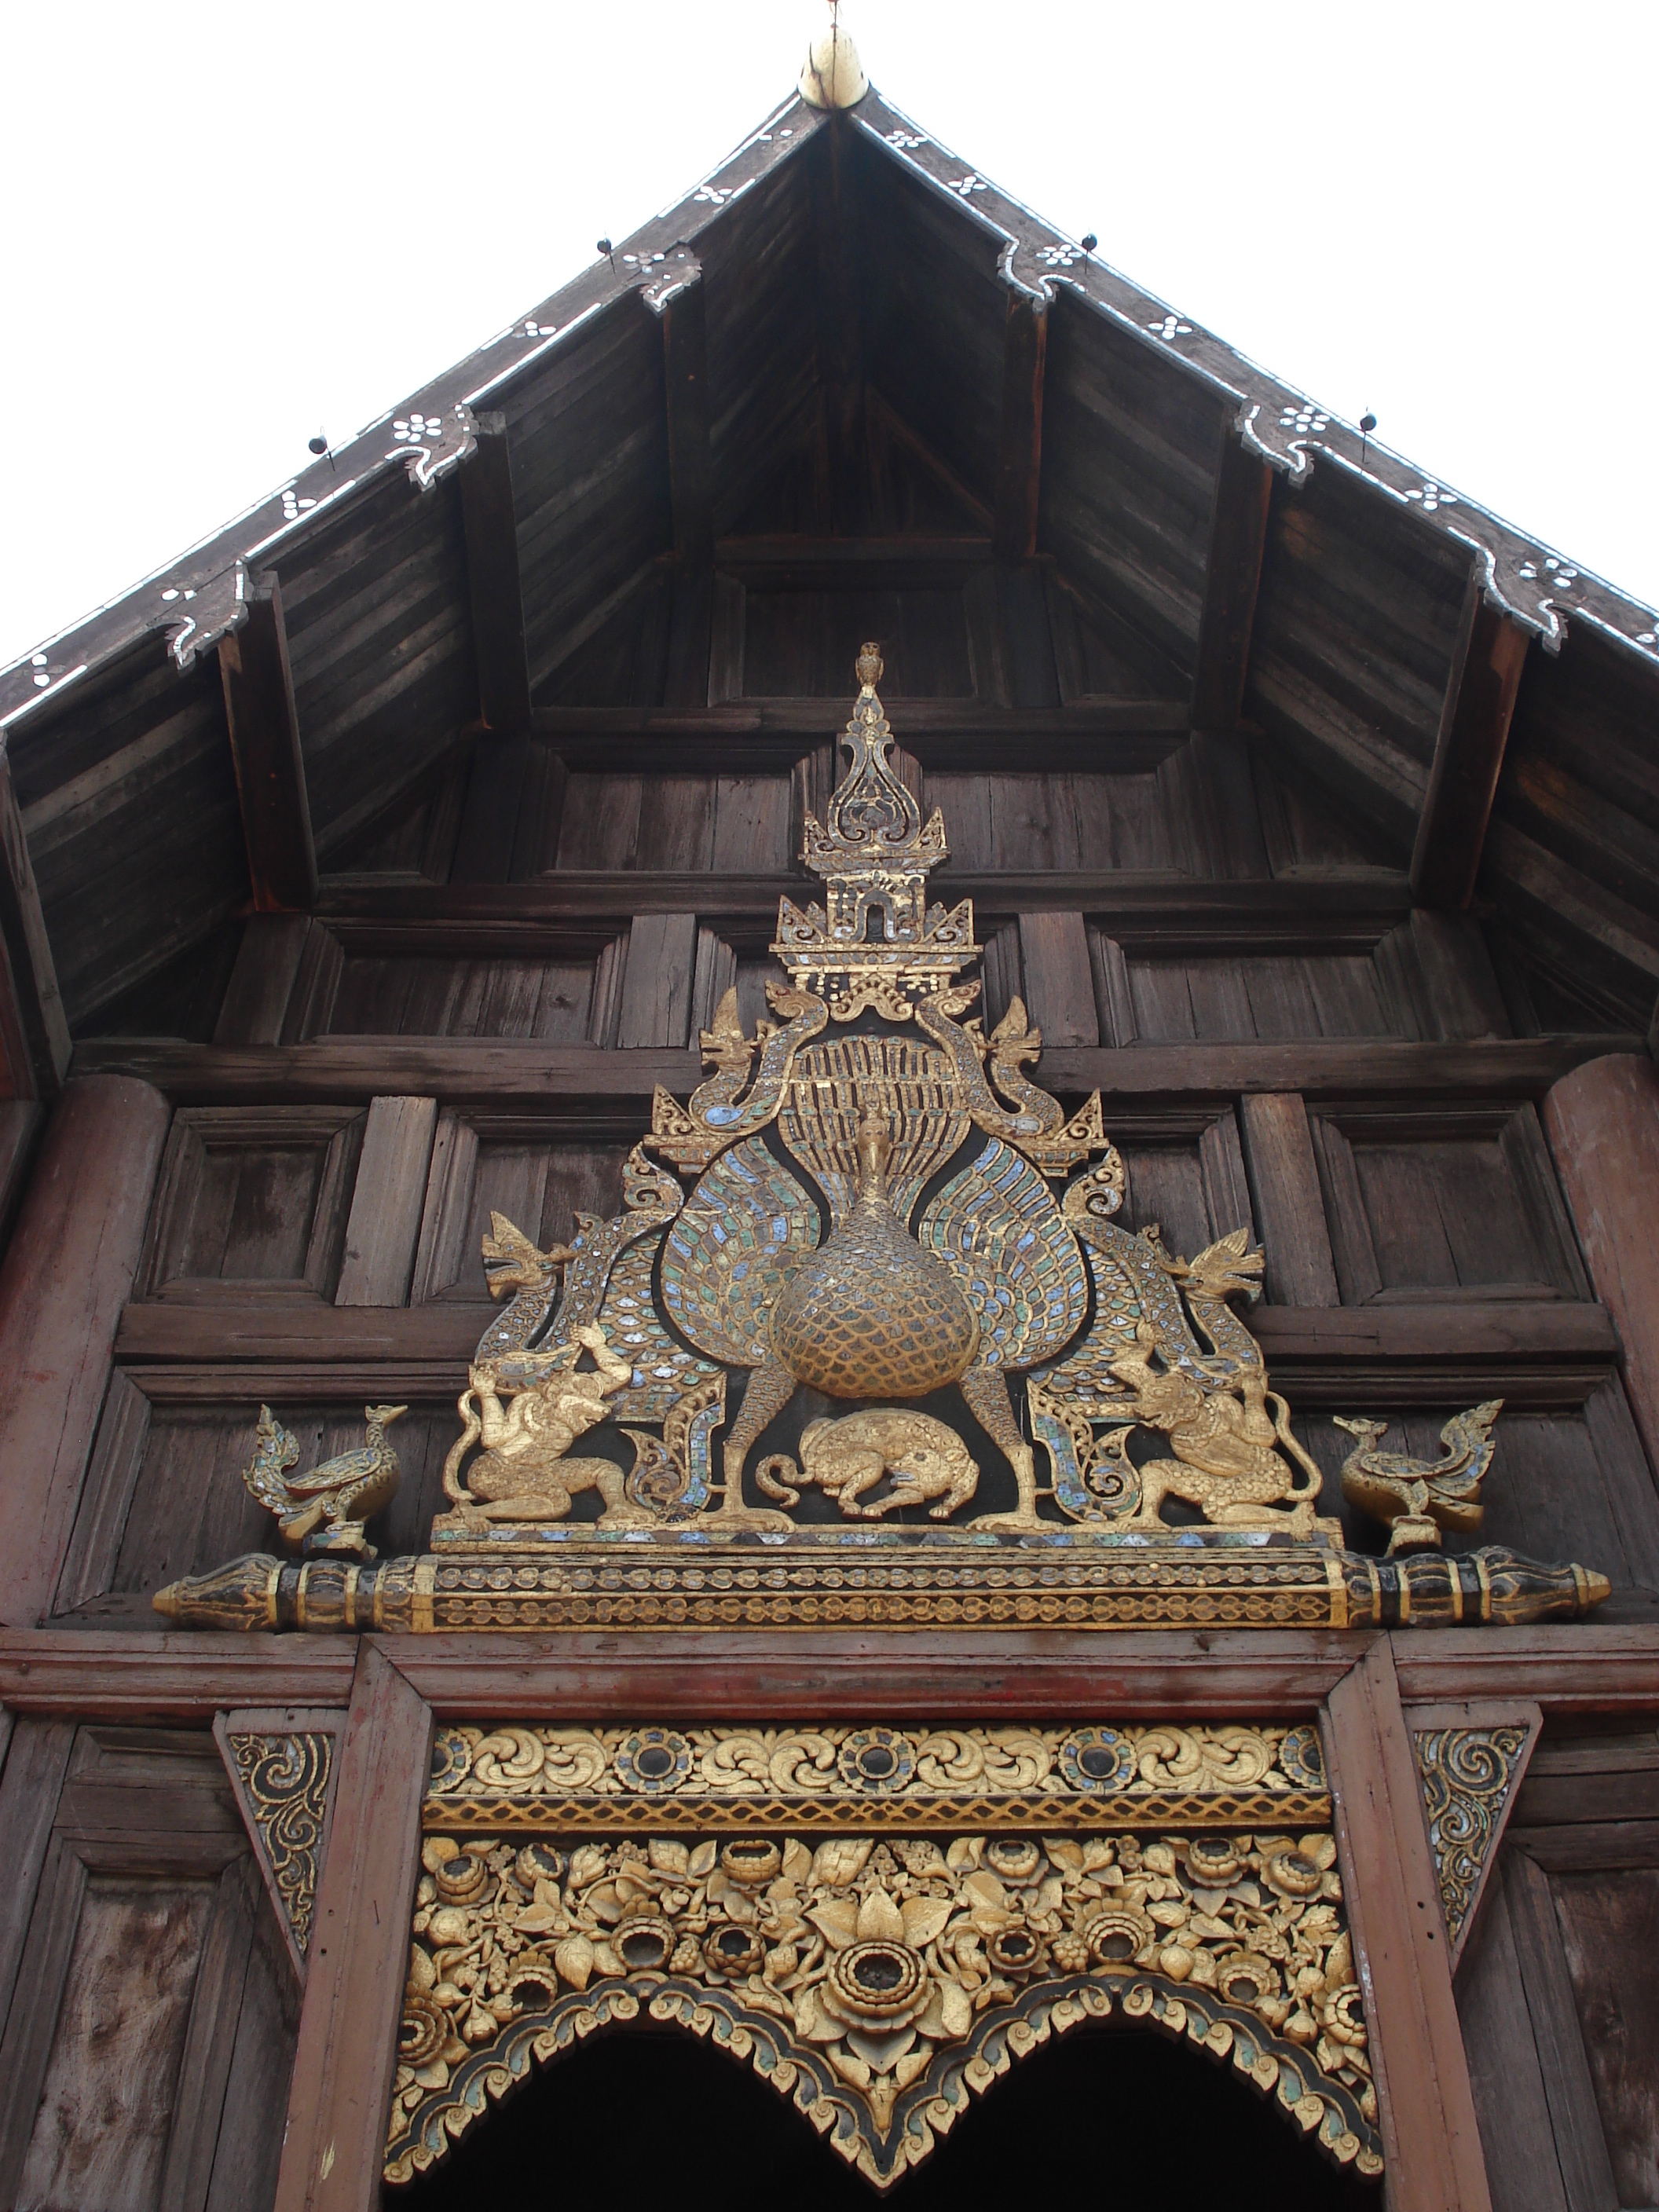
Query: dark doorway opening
x=1121, y=2116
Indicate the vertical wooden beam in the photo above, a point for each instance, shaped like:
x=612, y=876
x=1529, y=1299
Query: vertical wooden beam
x=1551, y=2008
x=657, y=980
x=1233, y=578
x=387, y=1203
x=34, y=1029
x=1602, y=1123
x=1059, y=978
x=359, y=1957
x=1431, y=2144
x=1020, y=437
x=1468, y=753
x=690, y=485
x=264, y=745
x=491, y=531
x=1289, y=1209
x=67, y=1275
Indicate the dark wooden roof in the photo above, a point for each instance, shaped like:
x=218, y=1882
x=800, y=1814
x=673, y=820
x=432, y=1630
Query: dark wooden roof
x=846, y=360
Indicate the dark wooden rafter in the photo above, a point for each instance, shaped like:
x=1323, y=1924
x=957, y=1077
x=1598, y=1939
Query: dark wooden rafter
x=1468, y=754
x=1019, y=438
x=264, y=745
x=1233, y=577
x=680, y=306
x=508, y=799
x=34, y=1031
x=492, y=571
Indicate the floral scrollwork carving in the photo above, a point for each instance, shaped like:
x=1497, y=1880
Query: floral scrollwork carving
x=880, y=1982
x=284, y=1781
x=1467, y=1775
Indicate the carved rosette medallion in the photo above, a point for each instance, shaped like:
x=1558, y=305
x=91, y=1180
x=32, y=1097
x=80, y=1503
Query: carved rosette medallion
x=1035, y=1415
x=880, y=1921
x=1468, y=1774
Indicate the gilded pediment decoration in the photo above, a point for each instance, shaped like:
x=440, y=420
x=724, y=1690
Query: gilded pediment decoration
x=868, y=1342
x=880, y=1921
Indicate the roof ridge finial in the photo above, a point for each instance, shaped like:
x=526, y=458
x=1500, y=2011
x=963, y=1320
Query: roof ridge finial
x=831, y=76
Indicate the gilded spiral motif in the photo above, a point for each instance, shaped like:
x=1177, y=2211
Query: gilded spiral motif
x=285, y=1780
x=1466, y=1776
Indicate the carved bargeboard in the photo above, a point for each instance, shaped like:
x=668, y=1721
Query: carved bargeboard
x=881, y=1920
x=885, y=1210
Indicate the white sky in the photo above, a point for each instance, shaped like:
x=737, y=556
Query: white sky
x=230, y=226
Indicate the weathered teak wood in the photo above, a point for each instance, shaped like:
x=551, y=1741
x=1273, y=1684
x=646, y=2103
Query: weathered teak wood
x=1290, y=1212
x=1019, y=438
x=1233, y=577
x=1483, y=1713
x=1431, y=2142
x=1580, y=2144
x=36, y=1761
x=1468, y=753
x=582, y=1086
x=493, y=581
x=385, y=1223
x=264, y=745
x=64, y=1279
x=346, y=2048
x=1602, y=1123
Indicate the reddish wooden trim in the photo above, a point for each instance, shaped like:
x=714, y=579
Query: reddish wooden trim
x=1431, y=2143
x=343, y=2060
x=492, y=570
x=580, y=1083
x=1019, y=440
x=264, y=746
x=132, y=1676
x=1602, y=1123
x=64, y=1279
x=1468, y=753
x=1570, y=1667
x=1233, y=578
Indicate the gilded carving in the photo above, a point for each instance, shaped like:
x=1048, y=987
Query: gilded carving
x=1418, y=1498
x=879, y=1973
x=1467, y=1775
x=325, y=1510
x=1037, y=1414
x=283, y=1780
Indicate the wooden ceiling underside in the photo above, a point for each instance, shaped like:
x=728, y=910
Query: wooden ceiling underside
x=830, y=410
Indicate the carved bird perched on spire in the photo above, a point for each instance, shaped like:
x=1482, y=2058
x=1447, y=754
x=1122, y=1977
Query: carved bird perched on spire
x=1417, y=1499
x=325, y=1511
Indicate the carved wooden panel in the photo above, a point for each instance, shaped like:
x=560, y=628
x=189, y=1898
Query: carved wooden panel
x=151, y=2013
x=252, y=1195
x=451, y=995
x=1436, y=1202
x=677, y=824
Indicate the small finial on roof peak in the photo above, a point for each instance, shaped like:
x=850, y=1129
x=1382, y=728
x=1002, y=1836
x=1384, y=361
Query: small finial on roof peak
x=831, y=76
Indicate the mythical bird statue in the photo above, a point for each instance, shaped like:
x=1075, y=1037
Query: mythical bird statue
x=1417, y=1499
x=325, y=1510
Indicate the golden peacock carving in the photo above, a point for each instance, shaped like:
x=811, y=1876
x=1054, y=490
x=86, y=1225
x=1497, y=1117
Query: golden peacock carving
x=1418, y=1498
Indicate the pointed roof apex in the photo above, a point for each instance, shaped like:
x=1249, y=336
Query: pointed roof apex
x=831, y=76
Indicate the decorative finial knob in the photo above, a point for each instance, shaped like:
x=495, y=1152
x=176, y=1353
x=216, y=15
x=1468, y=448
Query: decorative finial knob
x=830, y=75
x=870, y=666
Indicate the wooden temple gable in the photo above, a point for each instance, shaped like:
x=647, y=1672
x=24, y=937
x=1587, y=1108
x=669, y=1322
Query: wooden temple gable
x=365, y=877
